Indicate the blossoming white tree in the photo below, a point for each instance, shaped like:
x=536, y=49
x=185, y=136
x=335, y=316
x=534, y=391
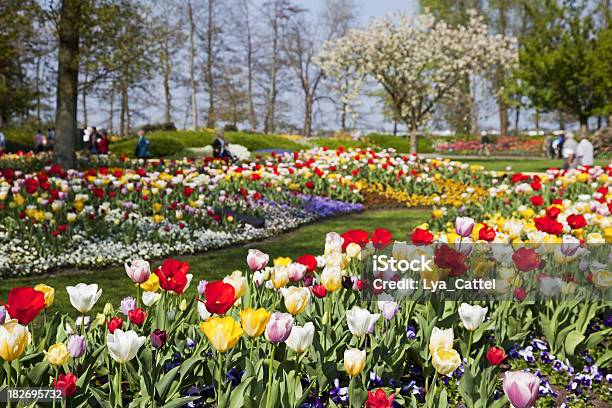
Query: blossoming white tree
x=417, y=60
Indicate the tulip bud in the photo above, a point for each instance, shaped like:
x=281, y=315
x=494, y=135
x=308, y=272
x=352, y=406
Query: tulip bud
x=319, y=291
x=279, y=327
x=354, y=361
x=257, y=260
x=202, y=287
x=496, y=355
x=57, y=354
x=123, y=346
x=521, y=388
x=108, y=309
x=137, y=316
x=300, y=338
x=76, y=345
x=138, y=271
x=158, y=338
x=114, y=324
x=3, y=315
x=361, y=321
x=472, y=316
x=183, y=305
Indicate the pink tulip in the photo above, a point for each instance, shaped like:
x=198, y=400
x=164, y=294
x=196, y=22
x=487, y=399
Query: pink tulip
x=296, y=271
x=138, y=271
x=257, y=260
x=464, y=226
x=279, y=327
x=521, y=388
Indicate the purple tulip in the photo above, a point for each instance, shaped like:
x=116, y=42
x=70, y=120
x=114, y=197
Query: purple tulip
x=279, y=327
x=158, y=338
x=76, y=345
x=202, y=287
x=521, y=388
x=257, y=260
x=2, y=314
x=127, y=304
x=464, y=226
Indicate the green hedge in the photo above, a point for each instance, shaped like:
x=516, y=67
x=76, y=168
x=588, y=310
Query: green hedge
x=19, y=139
x=165, y=144
x=400, y=143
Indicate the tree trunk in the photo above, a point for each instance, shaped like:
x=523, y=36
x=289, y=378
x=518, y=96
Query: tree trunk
x=271, y=103
x=503, y=118
x=194, y=109
x=167, y=69
x=67, y=82
x=561, y=121
x=395, y=127
x=308, y=103
x=84, y=98
x=210, y=119
x=537, y=121
x=343, y=116
x=125, y=109
x=252, y=117
x=112, y=107
x=473, y=108
x=37, y=88
x=517, y=118
x=413, y=139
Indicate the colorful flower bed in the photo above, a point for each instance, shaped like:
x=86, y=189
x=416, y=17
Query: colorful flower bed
x=109, y=213
x=508, y=145
x=314, y=330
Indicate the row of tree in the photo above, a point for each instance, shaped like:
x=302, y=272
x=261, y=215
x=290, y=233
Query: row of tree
x=205, y=62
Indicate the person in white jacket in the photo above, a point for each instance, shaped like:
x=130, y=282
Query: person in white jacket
x=584, y=152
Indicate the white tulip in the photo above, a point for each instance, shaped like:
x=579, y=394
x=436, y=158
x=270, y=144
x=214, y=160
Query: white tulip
x=301, y=337
x=123, y=346
x=472, y=316
x=361, y=321
x=83, y=297
x=203, y=312
x=150, y=298
x=441, y=338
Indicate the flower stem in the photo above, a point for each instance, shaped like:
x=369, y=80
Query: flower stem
x=120, y=390
x=351, y=387
x=219, y=379
x=8, y=382
x=271, y=368
x=469, y=345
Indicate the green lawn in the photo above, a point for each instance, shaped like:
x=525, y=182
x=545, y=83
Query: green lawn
x=216, y=264
x=524, y=164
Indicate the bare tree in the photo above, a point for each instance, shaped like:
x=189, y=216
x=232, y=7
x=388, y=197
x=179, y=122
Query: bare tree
x=210, y=82
x=192, y=51
x=302, y=44
x=244, y=32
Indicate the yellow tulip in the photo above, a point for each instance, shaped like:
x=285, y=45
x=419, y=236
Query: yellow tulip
x=279, y=277
x=331, y=278
x=222, y=332
x=282, y=261
x=48, y=291
x=441, y=338
x=58, y=354
x=254, y=321
x=445, y=361
x=151, y=284
x=296, y=299
x=13, y=340
x=354, y=361
x=602, y=279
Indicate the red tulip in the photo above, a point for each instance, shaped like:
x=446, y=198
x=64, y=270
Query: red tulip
x=114, y=324
x=357, y=236
x=553, y=212
x=526, y=259
x=319, y=291
x=137, y=316
x=219, y=297
x=486, y=233
x=24, y=304
x=66, y=383
x=172, y=275
x=496, y=355
x=520, y=293
x=537, y=200
x=447, y=258
x=309, y=261
x=381, y=238
x=576, y=221
x=422, y=237
x=548, y=224
x=378, y=399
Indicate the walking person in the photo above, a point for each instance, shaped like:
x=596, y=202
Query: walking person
x=584, y=152
x=484, y=144
x=103, y=142
x=50, y=138
x=142, y=146
x=568, y=151
x=2, y=143
x=40, y=142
